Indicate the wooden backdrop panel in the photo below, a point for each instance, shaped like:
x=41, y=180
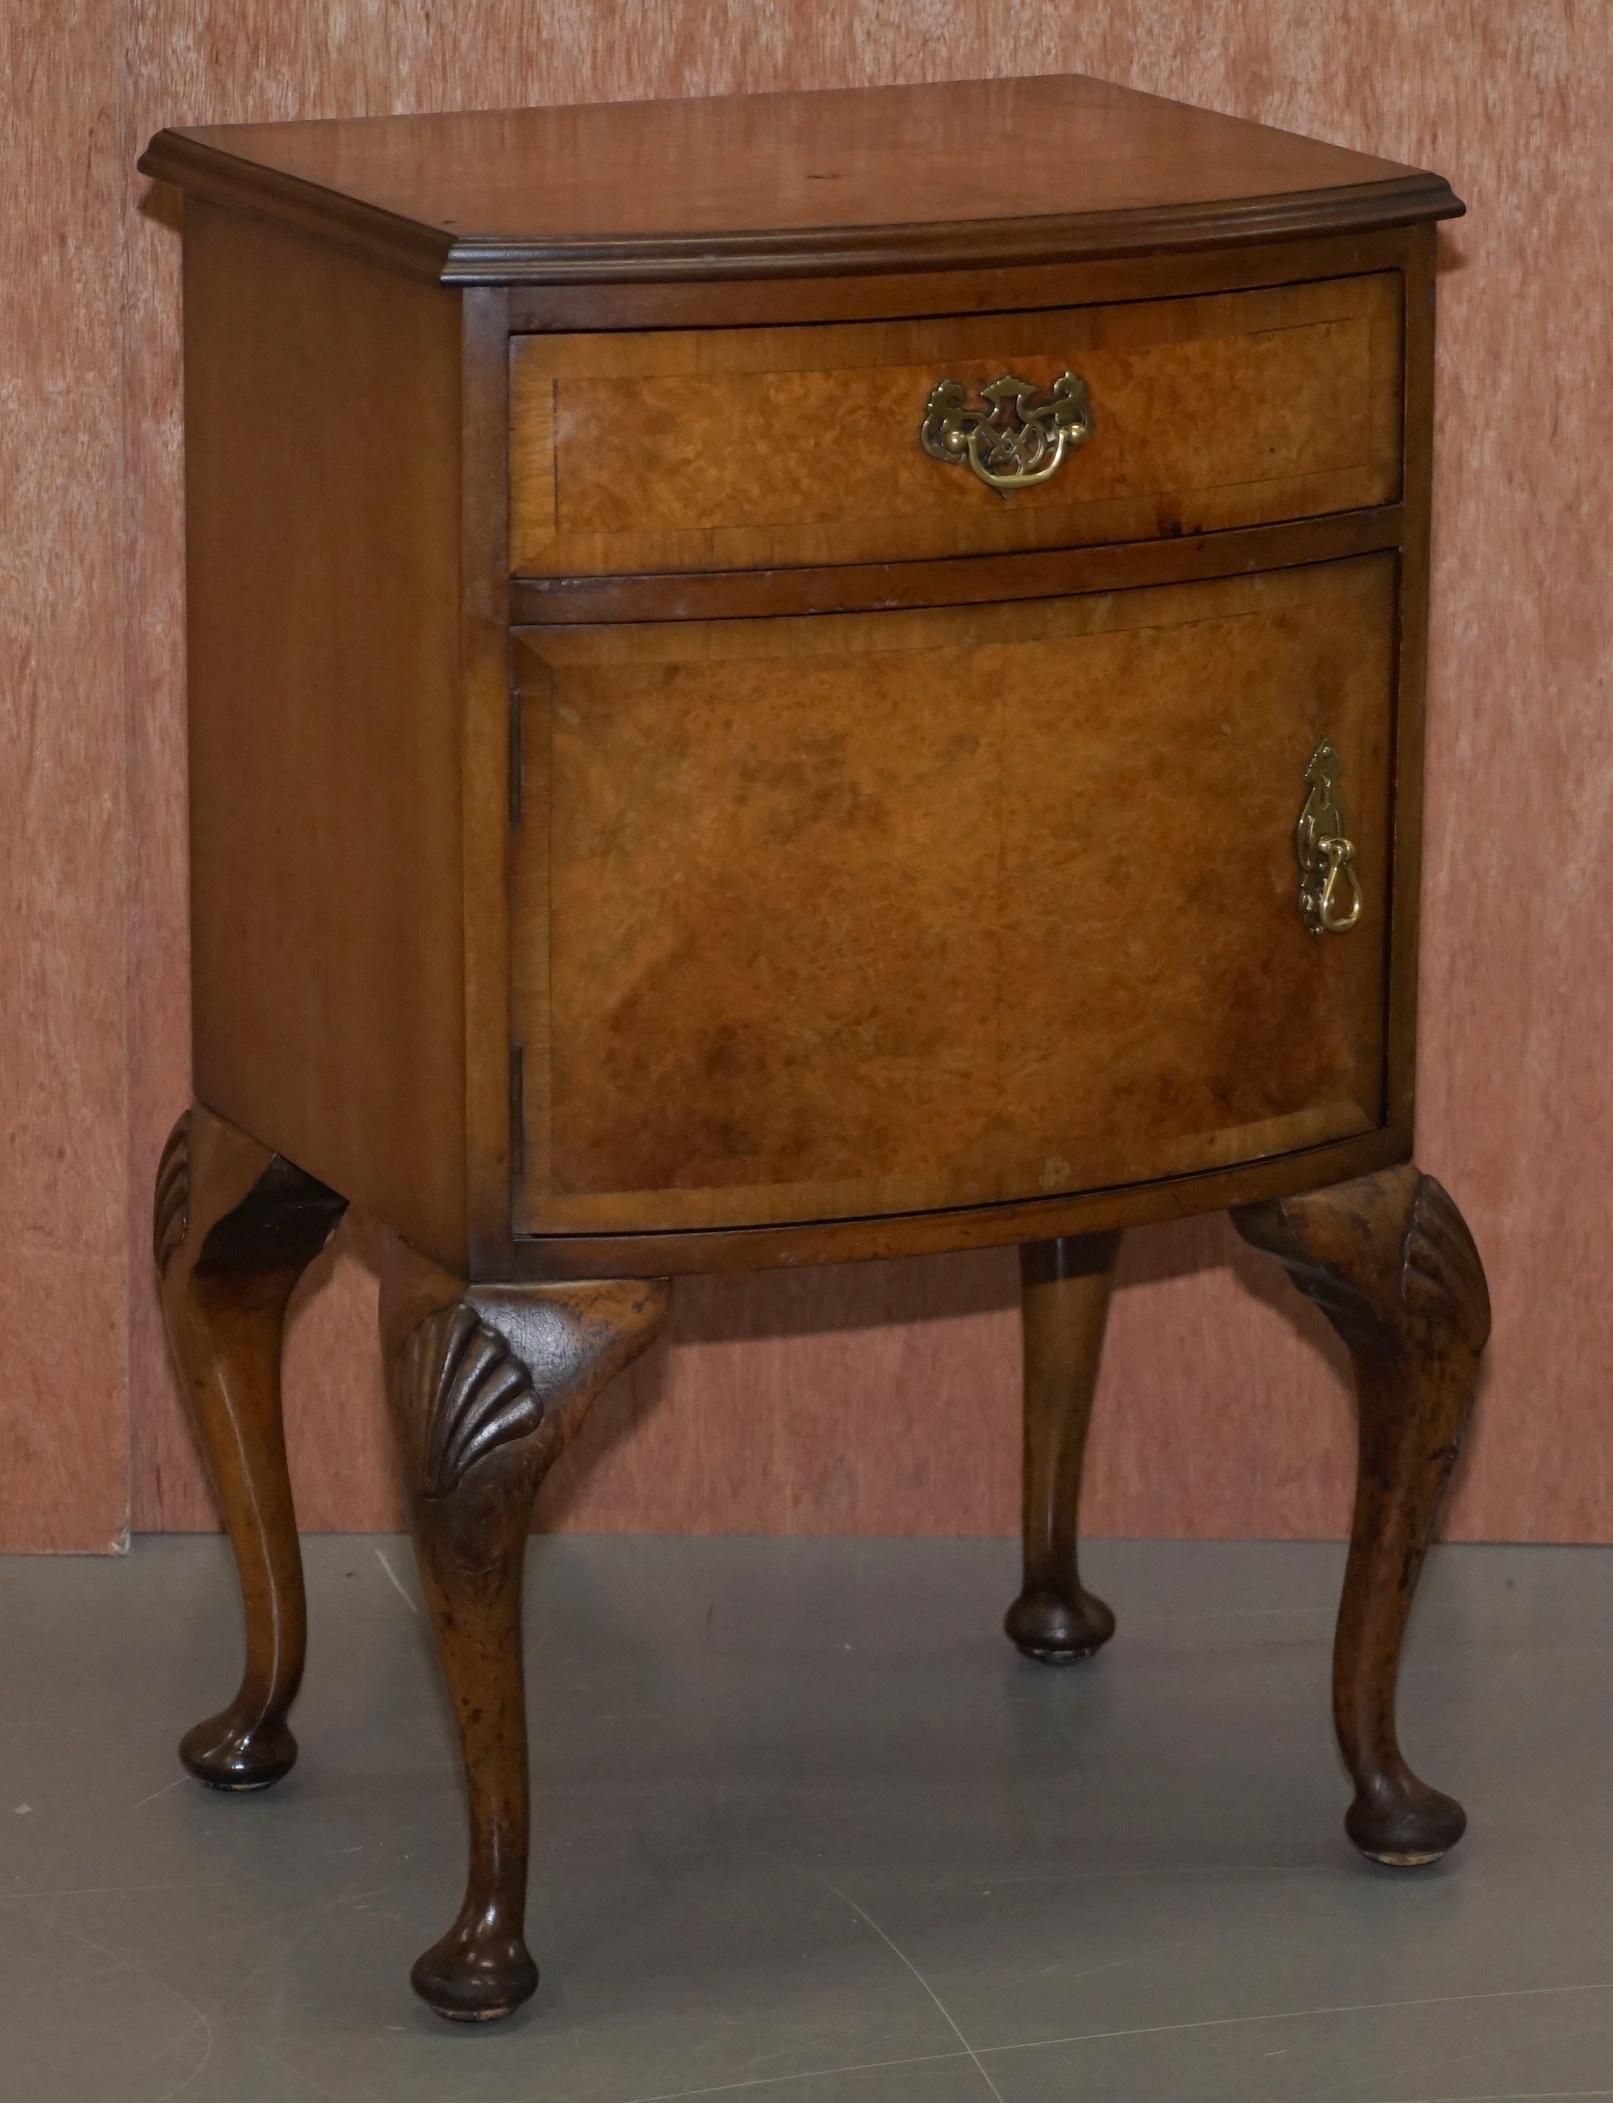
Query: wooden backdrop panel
x=65, y=1274
x=834, y=1401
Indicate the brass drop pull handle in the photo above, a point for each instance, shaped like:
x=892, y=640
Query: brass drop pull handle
x=1014, y=442
x=1325, y=852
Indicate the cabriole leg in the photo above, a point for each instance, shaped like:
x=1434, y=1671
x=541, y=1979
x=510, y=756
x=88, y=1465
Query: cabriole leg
x=1065, y=1288
x=234, y=1228
x=486, y=1384
x=1390, y=1262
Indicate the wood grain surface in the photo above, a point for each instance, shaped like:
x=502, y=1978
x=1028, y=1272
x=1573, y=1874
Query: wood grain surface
x=64, y=1175
x=857, y=913
x=741, y=448
x=324, y=743
x=977, y=170
x=878, y=1397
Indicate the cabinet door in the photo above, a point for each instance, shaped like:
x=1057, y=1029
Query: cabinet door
x=869, y=913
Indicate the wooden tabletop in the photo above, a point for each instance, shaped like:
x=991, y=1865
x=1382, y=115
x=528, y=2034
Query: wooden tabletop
x=842, y=179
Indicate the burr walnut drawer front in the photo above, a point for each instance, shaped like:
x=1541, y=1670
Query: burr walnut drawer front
x=740, y=448
x=851, y=914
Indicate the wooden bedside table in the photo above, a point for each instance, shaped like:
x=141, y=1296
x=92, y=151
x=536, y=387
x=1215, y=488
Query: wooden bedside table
x=788, y=679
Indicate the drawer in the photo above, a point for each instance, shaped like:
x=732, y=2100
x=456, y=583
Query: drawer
x=747, y=448
x=851, y=914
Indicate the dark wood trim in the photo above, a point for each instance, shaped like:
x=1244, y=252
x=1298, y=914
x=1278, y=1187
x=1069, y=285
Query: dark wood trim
x=678, y=1252
x=952, y=580
x=361, y=230
x=1400, y=201
x=773, y=302
x=485, y=760
x=1411, y=696
x=402, y=244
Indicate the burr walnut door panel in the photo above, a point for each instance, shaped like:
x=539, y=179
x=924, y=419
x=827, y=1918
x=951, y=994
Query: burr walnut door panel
x=732, y=448
x=863, y=913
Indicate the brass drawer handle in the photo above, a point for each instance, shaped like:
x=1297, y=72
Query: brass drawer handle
x=1017, y=441
x=1325, y=851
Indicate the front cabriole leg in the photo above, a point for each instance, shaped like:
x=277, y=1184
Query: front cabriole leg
x=486, y=1385
x=1390, y=1262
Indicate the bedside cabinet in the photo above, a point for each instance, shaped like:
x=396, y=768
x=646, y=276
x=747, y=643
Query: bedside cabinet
x=789, y=679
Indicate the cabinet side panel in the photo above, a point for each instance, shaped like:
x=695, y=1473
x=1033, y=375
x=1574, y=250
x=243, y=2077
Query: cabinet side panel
x=322, y=481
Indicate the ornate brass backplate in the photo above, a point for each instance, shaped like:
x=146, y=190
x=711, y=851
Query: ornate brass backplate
x=1325, y=852
x=1016, y=440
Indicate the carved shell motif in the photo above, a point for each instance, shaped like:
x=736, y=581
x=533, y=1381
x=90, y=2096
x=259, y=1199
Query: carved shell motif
x=469, y=1394
x=1440, y=1271
x=170, y=1205
x=1439, y=1277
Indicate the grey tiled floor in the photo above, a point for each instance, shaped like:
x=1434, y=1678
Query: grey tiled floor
x=809, y=1832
